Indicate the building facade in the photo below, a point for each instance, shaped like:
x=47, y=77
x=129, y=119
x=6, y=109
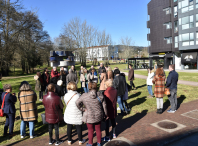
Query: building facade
x=173, y=32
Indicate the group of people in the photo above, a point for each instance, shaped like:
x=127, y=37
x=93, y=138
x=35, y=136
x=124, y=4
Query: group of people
x=91, y=107
x=157, y=76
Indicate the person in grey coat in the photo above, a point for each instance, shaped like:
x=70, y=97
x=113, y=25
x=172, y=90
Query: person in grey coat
x=93, y=106
x=71, y=77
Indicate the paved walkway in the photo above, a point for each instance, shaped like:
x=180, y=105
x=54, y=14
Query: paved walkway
x=190, y=83
x=137, y=128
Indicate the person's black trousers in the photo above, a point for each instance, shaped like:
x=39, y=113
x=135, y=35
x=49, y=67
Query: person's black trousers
x=132, y=84
x=40, y=94
x=51, y=127
x=78, y=129
x=113, y=123
x=10, y=118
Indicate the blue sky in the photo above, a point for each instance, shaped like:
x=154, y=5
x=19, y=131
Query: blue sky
x=119, y=18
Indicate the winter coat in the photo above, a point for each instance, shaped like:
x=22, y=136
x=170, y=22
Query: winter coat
x=119, y=83
x=91, y=107
x=54, y=74
x=111, y=101
x=39, y=85
x=159, y=82
x=44, y=77
x=63, y=78
x=126, y=96
x=9, y=103
x=131, y=75
x=172, y=80
x=84, y=81
x=100, y=70
x=53, y=108
x=28, y=107
x=103, y=79
x=110, y=75
x=72, y=77
x=150, y=77
x=72, y=114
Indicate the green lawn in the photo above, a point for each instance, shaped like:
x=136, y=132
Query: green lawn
x=137, y=101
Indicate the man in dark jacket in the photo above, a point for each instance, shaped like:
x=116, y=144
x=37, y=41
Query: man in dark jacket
x=131, y=76
x=100, y=70
x=119, y=83
x=59, y=90
x=171, y=83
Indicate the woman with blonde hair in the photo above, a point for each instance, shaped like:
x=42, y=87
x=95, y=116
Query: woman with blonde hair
x=159, y=81
x=110, y=73
x=111, y=101
x=103, y=78
x=72, y=115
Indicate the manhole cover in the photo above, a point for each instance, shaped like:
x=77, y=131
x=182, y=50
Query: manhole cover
x=167, y=125
x=117, y=143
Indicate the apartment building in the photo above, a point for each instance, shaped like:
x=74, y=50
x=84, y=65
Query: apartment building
x=173, y=32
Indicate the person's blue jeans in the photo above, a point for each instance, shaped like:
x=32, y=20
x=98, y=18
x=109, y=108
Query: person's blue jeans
x=86, y=90
x=23, y=126
x=121, y=104
x=149, y=87
x=10, y=118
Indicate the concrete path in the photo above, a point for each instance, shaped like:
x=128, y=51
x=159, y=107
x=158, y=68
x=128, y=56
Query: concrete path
x=189, y=83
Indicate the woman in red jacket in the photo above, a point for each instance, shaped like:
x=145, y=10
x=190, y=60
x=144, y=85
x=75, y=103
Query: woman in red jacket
x=111, y=101
x=53, y=112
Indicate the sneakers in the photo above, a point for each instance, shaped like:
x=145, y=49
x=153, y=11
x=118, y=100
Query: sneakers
x=33, y=136
x=149, y=96
x=69, y=142
x=22, y=136
x=106, y=139
x=114, y=136
x=171, y=111
x=59, y=142
x=99, y=144
x=158, y=111
x=81, y=142
x=88, y=144
x=51, y=142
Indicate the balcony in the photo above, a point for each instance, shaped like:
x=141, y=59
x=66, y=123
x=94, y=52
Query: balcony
x=148, y=24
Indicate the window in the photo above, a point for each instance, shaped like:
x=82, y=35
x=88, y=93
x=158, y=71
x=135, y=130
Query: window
x=186, y=5
x=196, y=4
x=187, y=39
x=187, y=22
x=149, y=30
x=174, y=0
x=168, y=40
x=175, y=11
x=168, y=25
x=176, y=41
x=197, y=38
x=196, y=20
x=176, y=26
x=167, y=10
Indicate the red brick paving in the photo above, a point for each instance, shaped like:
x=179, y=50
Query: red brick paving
x=136, y=128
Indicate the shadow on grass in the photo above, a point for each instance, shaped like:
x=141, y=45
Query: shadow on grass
x=138, y=101
x=179, y=102
x=140, y=86
x=135, y=95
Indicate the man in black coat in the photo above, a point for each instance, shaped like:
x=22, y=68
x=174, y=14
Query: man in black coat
x=59, y=89
x=100, y=70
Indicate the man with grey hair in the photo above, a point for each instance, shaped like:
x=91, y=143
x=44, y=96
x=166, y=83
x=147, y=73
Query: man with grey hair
x=71, y=77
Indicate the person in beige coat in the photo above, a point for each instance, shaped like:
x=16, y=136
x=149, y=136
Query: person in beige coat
x=103, y=79
x=85, y=79
x=28, y=108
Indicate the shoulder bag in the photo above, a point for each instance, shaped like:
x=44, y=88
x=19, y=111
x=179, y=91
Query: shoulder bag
x=1, y=110
x=71, y=98
x=167, y=91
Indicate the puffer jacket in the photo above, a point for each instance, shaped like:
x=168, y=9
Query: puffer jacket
x=28, y=107
x=72, y=114
x=53, y=108
x=119, y=83
x=91, y=107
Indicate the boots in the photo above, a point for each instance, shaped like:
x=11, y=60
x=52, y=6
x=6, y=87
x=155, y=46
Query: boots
x=158, y=111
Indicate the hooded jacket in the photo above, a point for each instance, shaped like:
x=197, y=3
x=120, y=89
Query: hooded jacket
x=91, y=107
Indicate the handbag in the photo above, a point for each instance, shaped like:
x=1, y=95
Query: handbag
x=71, y=98
x=43, y=118
x=104, y=119
x=167, y=91
x=1, y=110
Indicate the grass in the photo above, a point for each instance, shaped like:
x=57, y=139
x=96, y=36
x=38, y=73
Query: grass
x=137, y=101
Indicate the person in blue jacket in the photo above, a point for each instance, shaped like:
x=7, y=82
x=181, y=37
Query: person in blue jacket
x=9, y=109
x=171, y=83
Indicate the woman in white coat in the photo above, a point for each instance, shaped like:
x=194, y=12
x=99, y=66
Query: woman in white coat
x=150, y=83
x=72, y=115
